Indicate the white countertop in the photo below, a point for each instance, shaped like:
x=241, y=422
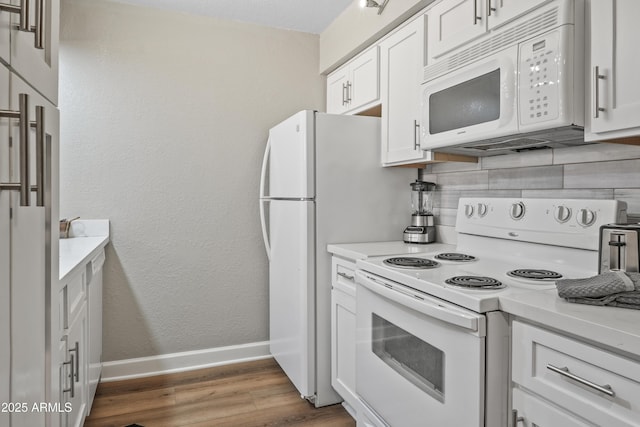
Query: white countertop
x=618, y=328
x=88, y=237
x=613, y=327
x=357, y=251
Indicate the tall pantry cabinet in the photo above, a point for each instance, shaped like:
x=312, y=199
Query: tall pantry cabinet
x=29, y=161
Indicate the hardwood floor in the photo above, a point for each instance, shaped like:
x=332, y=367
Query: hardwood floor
x=244, y=394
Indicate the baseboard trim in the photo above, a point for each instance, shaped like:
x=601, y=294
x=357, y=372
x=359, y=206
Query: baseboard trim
x=185, y=361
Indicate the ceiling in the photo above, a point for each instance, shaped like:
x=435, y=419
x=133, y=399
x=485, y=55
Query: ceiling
x=309, y=16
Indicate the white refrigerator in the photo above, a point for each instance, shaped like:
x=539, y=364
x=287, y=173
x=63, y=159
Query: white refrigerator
x=321, y=183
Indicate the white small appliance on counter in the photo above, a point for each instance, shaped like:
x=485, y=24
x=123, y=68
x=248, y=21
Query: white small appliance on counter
x=321, y=183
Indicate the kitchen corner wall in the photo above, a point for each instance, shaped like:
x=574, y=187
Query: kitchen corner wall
x=598, y=171
x=164, y=122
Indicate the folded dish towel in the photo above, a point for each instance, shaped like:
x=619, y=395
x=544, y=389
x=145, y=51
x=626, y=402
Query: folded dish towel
x=616, y=288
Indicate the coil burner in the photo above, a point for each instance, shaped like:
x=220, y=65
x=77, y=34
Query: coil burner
x=533, y=274
x=412, y=262
x=475, y=282
x=454, y=256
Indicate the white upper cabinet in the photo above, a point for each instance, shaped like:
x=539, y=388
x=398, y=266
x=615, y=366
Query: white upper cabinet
x=354, y=86
x=34, y=52
x=614, y=107
x=500, y=12
x=402, y=60
x=452, y=23
x=337, y=91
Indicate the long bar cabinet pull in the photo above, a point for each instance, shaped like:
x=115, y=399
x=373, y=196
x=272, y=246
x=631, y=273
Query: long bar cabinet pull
x=40, y=138
x=606, y=389
x=416, y=139
x=25, y=13
x=346, y=276
x=490, y=8
x=344, y=96
x=596, y=91
x=22, y=9
x=76, y=350
x=72, y=387
x=348, y=92
x=476, y=18
x=515, y=419
x=24, y=151
x=38, y=29
x=23, y=117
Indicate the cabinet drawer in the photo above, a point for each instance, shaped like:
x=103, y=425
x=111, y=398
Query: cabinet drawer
x=602, y=387
x=533, y=411
x=343, y=275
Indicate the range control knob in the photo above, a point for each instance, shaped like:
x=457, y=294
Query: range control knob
x=468, y=211
x=562, y=214
x=517, y=211
x=586, y=217
x=482, y=209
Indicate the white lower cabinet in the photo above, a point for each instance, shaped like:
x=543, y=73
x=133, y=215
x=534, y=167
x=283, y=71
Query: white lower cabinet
x=94, y=325
x=560, y=381
x=530, y=410
x=77, y=378
x=79, y=336
x=343, y=332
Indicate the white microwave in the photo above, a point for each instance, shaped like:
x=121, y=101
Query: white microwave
x=515, y=89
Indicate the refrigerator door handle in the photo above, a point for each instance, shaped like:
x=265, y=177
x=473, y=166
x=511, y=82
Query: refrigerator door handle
x=263, y=174
x=265, y=233
x=263, y=178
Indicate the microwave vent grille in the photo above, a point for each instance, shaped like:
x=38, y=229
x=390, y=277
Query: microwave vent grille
x=502, y=39
x=512, y=144
x=568, y=136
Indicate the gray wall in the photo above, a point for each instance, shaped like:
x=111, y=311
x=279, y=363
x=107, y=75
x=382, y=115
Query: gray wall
x=164, y=122
x=599, y=171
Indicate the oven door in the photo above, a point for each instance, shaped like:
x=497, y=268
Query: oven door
x=420, y=360
x=474, y=103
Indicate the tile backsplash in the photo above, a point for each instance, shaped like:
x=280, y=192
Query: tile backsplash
x=597, y=171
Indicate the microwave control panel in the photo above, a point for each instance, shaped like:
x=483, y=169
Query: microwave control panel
x=540, y=77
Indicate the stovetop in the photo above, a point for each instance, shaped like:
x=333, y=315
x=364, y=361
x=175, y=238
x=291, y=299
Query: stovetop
x=433, y=281
x=500, y=238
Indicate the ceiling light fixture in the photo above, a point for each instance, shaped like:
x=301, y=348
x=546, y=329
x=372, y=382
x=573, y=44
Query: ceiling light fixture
x=373, y=3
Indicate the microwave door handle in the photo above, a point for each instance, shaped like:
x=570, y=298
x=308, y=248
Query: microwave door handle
x=420, y=304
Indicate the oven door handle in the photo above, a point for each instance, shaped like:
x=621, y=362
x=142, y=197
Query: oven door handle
x=421, y=303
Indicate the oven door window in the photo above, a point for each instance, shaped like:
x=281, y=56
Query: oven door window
x=466, y=104
x=419, y=362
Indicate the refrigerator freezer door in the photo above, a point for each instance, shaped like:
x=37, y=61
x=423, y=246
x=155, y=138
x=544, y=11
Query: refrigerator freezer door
x=291, y=158
x=292, y=291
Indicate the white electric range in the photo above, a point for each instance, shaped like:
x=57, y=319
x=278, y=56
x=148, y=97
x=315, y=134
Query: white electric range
x=432, y=342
